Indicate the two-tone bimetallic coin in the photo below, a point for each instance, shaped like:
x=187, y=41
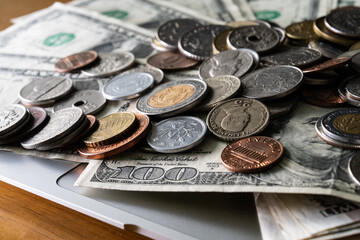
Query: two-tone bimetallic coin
x=344, y=21
x=271, y=83
x=354, y=167
x=11, y=117
x=157, y=73
x=177, y=134
x=237, y=118
x=110, y=64
x=170, y=61
x=76, y=61
x=171, y=98
x=128, y=86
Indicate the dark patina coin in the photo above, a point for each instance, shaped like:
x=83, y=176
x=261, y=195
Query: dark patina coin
x=344, y=21
x=328, y=49
x=355, y=62
x=322, y=96
x=327, y=65
x=282, y=106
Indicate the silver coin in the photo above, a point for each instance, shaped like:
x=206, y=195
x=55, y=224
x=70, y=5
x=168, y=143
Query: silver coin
x=237, y=118
x=255, y=55
x=196, y=43
x=177, y=134
x=11, y=117
x=271, y=83
x=343, y=93
x=344, y=21
x=90, y=101
x=45, y=91
x=110, y=64
x=128, y=86
x=297, y=56
x=349, y=53
x=282, y=34
x=328, y=49
x=157, y=73
x=220, y=88
x=230, y=62
x=353, y=88
x=322, y=78
x=61, y=123
x=259, y=38
x=282, y=106
x=355, y=62
x=6, y=138
x=171, y=98
x=354, y=167
x=169, y=33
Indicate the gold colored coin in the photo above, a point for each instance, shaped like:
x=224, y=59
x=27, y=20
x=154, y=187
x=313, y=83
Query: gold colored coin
x=355, y=46
x=111, y=128
x=302, y=31
x=219, y=42
x=171, y=96
x=348, y=123
x=237, y=24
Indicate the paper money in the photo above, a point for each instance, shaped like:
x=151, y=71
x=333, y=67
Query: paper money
x=345, y=3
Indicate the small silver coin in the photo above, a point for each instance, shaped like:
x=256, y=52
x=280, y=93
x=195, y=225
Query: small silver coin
x=271, y=83
x=172, y=98
x=255, y=55
x=90, y=101
x=237, y=118
x=282, y=34
x=297, y=56
x=128, y=86
x=157, y=73
x=344, y=21
x=353, y=88
x=110, y=64
x=11, y=117
x=355, y=62
x=343, y=93
x=177, y=134
x=45, y=91
x=354, y=167
x=322, y=78
x=259, y=38
x=196, y=43
x=6, y=138
x=328, y=49
x=230, y=62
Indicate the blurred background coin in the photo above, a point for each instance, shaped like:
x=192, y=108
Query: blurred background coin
x=76, y=61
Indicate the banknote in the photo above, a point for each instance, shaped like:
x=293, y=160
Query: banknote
x=345, y=3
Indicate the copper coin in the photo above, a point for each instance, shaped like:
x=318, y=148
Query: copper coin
x=121, y=145
x=252, y=154
x=322, y=96
x=170, y=61
x=75, y=61
x=327, y=65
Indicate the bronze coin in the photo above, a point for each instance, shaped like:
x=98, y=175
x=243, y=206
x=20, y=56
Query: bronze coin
x=322, y=96
x=170, y=61
x=327, y=65
x=252, y=154
x=302, y=31
x=121, y=145
x=75, y=61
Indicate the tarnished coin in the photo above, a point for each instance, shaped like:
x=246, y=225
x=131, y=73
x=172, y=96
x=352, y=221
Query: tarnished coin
x=282, y=35
x=255, y=55
x=271, y=83
x=258, y=38
x=301, y=31
x=157, y=73
x=327, y=65
x=322, y=96
x=220, y=88
x=196, y=43
x=236, y=24
x=230, y=62
x=101, y=152
x=110, y=64
x=169, y=33
x=322, y=78
x=75, y=61
x=237, y=118
x=297, y=56
x=252, y=154
x=11, y=117
x=45, y=91
x=353, y=88
x=350, y=53
x=282, y=106
x=355, y=46
x=128, y=86
x=172, y=98
x=328, y=49
x=90, y=101
x=344, y=95
x=354, y=167
x=170, y=61
x=355, y=62
x=219, y=43
x=344, y=21
x=177, y=134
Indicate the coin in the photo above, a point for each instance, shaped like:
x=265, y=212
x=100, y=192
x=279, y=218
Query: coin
x=252, y=154
x=230, y=62
x=236, y=24
x=110, y=64
x=128, y=86
x=343, y=93
x=354, y=167
x=75, y=61
x=258, y=38
x=344, y=21
x=281, y=33
x=327, y=65
x=196, y=43
x=255, y=55
x=101, y=152
x=157, y=46
x=157, y=73
x=219, y=42
x=328, y=49
x=322, y=96
x=301, y=31
x=171, y=98
x=271, y=82
x=355, y=46
x=11, y=116
x=297, y=56
x=355, y=62
x=237, y=118
x=353, y=88
x=282, y=106
x=168, y=33
x=177, y=134
x=322, y=78
x=350, y=53
x=170, y=61
x=90, y=101
x=4, y=138
x=111, y=128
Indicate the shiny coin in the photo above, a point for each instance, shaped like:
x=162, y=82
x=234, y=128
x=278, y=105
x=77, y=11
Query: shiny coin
x=45, y=91
x=111, y=128
x=258, y=38
x=343, y=93
x=219, y=43
x=353, y=88
x=157, y=73
x=237, y=118
x=11, y=117
x=157, y=46
x=322, y=96
x=355, y=62
x=322, y=78
x=230, y=62
x=196, y=43
x=302, y=31
x=4, y=138
x=172, y=98
x=252, y=154
x=344, y=21
x=128, y=86
x=110, y=64
x=327, y=65
x=271, y=83
x=354, y=167
x=76, y=61
x=170, y=61
x=282, y=106
x=297, y=56
x=90, y=101
x=282, y=35
x=177, y=134
x=328, y=49
x=169, y=33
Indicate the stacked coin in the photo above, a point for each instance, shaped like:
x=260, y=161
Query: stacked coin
x=349, y=90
